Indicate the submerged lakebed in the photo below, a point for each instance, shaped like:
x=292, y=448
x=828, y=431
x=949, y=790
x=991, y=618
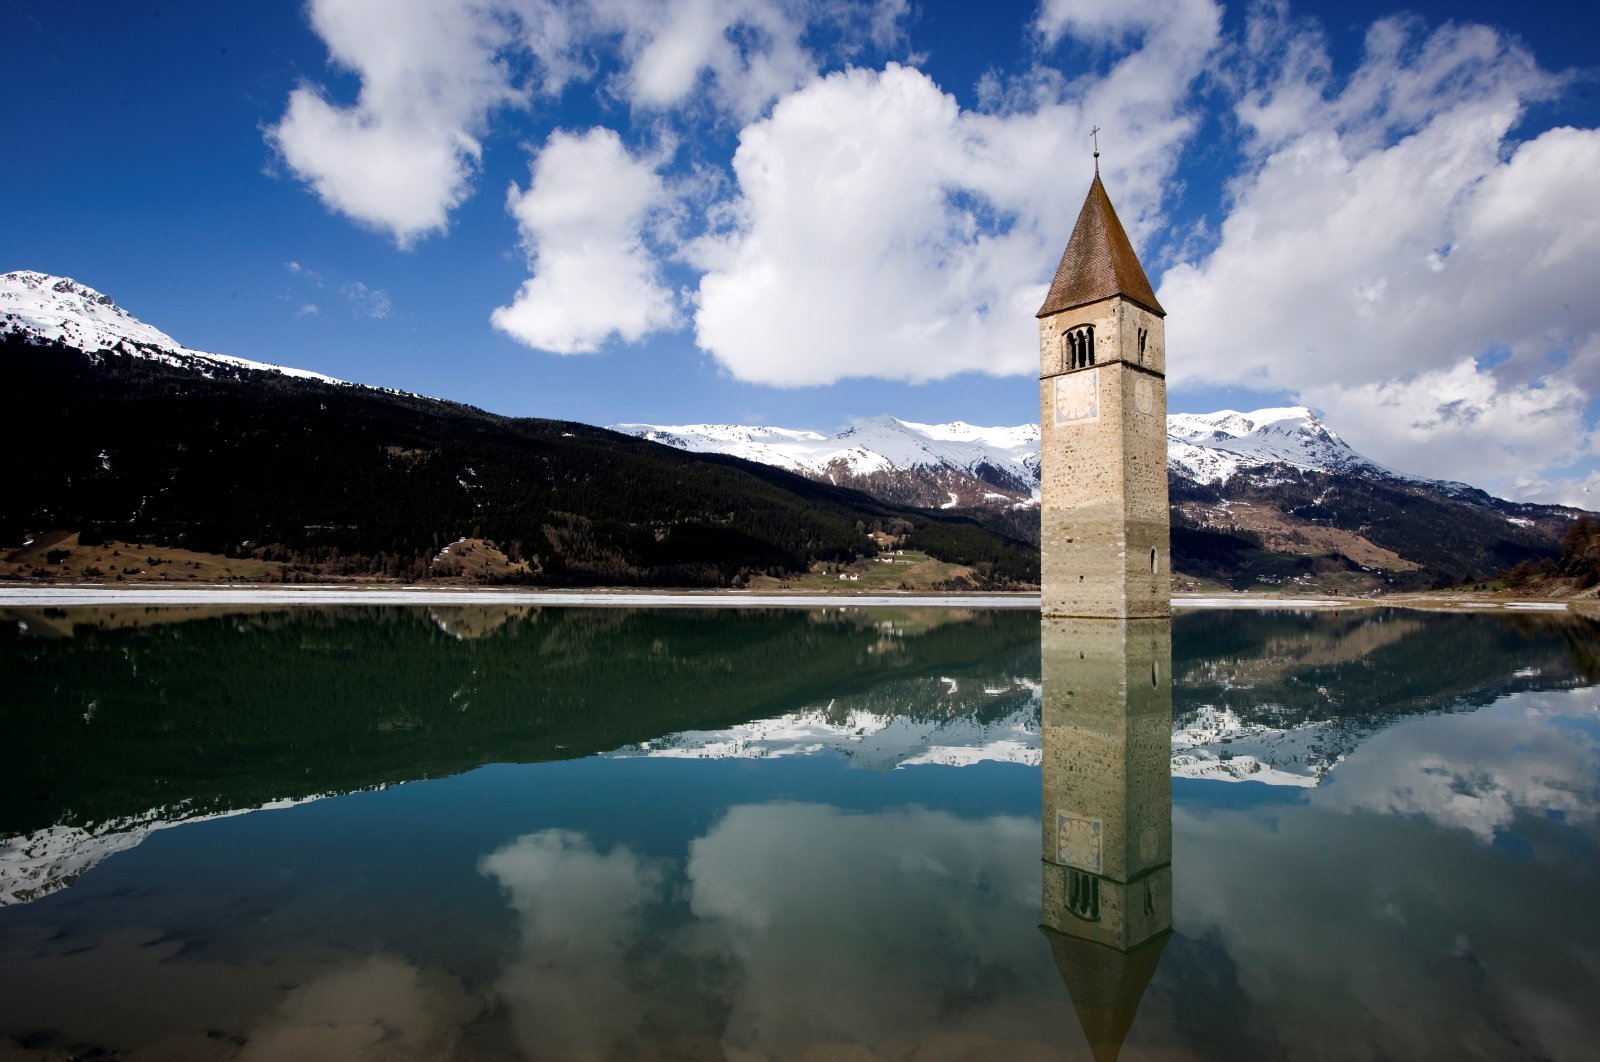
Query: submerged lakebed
x=495, y=831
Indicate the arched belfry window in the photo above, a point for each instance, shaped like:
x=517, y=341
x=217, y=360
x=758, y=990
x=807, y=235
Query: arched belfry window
x=1083, y=895
x=1080, y=347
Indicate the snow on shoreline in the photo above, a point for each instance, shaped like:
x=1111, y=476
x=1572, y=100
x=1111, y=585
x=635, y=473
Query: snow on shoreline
x=62, y=596
x=69, y=596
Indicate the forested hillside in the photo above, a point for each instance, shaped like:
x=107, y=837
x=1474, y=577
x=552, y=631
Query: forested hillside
x=341, y=479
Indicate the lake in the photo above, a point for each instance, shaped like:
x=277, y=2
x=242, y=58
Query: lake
x=855, y=833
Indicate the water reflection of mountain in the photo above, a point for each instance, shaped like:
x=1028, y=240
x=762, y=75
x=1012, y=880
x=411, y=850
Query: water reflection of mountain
x=948, y=719
x=220, y=713
x=1283, y=697
x=874, y=739
x=1274, y=697
x=117, y=729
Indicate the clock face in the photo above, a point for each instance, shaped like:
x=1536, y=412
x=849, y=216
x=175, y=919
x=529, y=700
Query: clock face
x=1144, y=396
x=1077, y=398
x=1078, y=842
x=1149, y=844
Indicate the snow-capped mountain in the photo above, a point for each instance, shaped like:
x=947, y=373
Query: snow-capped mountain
x=944, y=465
x=1270, y=496
x=62, y=310
x=941, y=465
x=974, y=465
x=1215, y=447
x=1277, y=490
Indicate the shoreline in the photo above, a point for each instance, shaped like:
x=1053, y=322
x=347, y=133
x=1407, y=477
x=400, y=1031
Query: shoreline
x=68, y=596
x=334, y=594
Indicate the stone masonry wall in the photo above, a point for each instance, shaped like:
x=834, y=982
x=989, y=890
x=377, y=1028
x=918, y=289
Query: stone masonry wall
x=1104, y=480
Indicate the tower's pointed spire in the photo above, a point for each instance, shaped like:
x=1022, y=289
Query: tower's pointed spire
x=1106, y=985
x=1099, y=261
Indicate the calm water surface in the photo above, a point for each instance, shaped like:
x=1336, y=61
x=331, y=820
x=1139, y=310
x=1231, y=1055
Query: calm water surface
x=859, y=834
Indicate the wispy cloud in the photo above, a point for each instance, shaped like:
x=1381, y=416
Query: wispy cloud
x=368, y=302
x=364, y=300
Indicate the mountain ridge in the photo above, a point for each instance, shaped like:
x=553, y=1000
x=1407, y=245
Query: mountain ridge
x=1268, y=496
x=1271, y=496
x=62, y=310
x=149, y=442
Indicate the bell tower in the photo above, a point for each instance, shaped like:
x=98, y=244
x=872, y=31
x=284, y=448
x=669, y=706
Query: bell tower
x=1104, y=523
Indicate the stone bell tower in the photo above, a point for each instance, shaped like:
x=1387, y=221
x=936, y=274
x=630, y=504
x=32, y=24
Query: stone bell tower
x=1104, y=521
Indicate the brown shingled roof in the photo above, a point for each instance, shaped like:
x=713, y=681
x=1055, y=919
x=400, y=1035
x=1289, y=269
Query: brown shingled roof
x=1099, y=261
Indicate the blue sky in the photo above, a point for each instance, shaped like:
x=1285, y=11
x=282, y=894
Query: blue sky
x=806, y=211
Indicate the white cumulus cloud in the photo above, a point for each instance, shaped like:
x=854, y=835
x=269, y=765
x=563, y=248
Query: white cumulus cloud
x=582, y=219
x=402, y=156
x=749, y=50
x=1464, y=420
x=1395, y=256
x=880, y=230
x=432, y=73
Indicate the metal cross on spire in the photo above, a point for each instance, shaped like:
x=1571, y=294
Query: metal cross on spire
x=1095, y=134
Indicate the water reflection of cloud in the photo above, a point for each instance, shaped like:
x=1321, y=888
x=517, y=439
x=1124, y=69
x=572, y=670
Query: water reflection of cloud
x=1360, y=935
x=901, y=924
x=567, y=987
x=1480, y=771
x=810, y=932
x=138, y=993
x=381, y=1008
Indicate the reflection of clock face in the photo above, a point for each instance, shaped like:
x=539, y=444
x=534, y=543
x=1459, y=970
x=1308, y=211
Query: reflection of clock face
x=1078, y=842
x=1078, y=397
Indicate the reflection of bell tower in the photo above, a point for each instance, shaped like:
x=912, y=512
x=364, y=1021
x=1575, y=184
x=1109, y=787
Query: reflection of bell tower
x=1107, y=722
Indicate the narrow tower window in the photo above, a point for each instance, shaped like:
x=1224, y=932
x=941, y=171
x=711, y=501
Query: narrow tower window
x=1144, y=333
x=1082, y=346
x=1152, y=562
x=1083, y=895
